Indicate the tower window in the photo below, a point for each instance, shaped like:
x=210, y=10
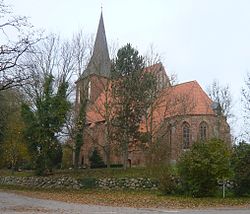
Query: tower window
x=203, y=131
x=186, y=135
x=79, y=96
x=89, y=90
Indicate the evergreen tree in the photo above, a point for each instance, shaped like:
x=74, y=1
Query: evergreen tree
x=240, y=162
x=96, y=160
x=129, y=92
x=43, y=123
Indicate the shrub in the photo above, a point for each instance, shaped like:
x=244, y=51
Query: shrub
x=163, y=173
x=167, y=181
x=116, y=165
x=241, y=168
x=88, y=182
x=202, y=166
x=67, y=157
x=96, y=160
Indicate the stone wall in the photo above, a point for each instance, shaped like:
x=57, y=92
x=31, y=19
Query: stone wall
x=72, y=183
x=41, y=182
x=127, y=183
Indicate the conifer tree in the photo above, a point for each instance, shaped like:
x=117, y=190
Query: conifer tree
x=129, y=92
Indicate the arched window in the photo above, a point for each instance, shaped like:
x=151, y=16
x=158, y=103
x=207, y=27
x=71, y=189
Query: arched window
x=79, y=96
x=170, y=135
x=89, y=90
x=203, y=131
x=186, y=135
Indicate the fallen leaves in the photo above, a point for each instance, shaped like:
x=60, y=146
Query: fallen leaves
x=132, y=199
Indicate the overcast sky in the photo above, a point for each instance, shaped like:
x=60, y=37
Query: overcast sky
x=199, y=40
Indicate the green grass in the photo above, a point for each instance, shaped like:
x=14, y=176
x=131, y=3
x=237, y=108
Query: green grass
x=93, y=173
x=104, y=173
x=26, y=173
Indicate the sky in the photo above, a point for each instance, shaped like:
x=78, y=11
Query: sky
x=199, y=40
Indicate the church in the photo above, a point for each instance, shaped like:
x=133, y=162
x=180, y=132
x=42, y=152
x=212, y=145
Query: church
x=183, y=114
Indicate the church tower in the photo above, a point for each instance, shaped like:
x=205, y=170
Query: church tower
x=94, y=78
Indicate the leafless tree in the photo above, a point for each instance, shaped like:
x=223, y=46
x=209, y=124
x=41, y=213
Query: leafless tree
x=223, y=97
x=246, y=104
x=17, y=36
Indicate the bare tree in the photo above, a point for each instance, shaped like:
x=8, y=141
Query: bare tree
x=246, y=104
x=16, y=37
x=223, y=97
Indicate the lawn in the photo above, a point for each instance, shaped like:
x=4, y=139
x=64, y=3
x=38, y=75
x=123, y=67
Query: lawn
x=93, y=173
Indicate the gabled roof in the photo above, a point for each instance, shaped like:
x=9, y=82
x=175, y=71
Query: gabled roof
x=185, y=99
x=180, y=100
x=100, y=62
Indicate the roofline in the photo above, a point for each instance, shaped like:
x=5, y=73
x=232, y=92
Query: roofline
x=191, y=81
x=90, y=75
x=190, y=115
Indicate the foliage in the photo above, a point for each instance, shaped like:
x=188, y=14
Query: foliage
x=164, y=173
x=43, y=123
x=96, y=160
x=241, y=167
x=128, y=91
x=79, y=129
x=67, y=157
x=13, y=150
x=88, y=182
x=202, y=166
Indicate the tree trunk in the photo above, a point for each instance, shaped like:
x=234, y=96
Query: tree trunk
x=107, y=147
x=76, y=161
x=125, y=156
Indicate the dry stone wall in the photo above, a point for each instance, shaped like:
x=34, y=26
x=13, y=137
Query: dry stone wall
x=72, y=183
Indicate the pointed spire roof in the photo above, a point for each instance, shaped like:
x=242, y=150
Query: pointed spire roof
x=100, y=62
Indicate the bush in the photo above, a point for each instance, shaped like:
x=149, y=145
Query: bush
x=67, y=157
x=96, y=160
x=202, y=166
x=163, y=173
x=241, y=168
x=88, y=182
x=167, y=181
x=116, y=165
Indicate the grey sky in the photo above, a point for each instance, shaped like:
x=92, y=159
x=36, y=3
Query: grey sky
x=198, y=39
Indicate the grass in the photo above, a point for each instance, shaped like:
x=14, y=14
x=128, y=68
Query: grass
x=140, y=199
x=86, y=173
x=26, y=173
x=153, y=199
x=104, y=173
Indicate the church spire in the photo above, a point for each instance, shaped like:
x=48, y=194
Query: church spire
x=100, y=62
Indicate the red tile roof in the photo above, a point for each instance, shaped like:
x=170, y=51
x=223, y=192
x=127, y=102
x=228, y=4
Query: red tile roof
x=182, y=99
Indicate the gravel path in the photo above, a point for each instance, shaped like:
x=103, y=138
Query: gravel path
x=11, y=203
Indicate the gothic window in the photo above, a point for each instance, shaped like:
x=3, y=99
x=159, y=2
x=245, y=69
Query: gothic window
x=170, y=135
x=203, y=131
x=186, y=135
x=89, y=90
x=79, y=95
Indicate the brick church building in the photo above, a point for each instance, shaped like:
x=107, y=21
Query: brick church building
x=182, y=115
